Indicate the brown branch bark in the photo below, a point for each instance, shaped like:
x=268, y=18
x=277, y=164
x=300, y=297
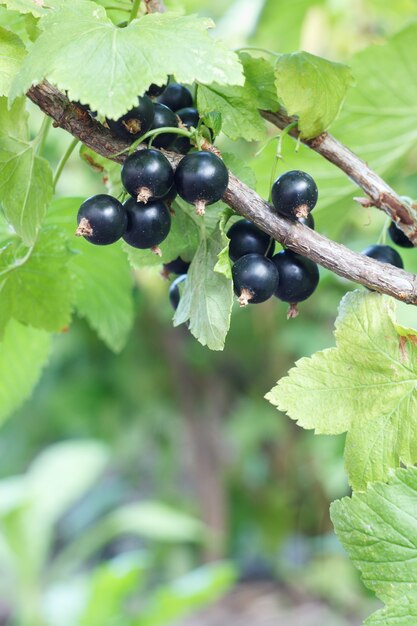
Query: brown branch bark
x=380, y=194
x=154, y=6
x=336, y=257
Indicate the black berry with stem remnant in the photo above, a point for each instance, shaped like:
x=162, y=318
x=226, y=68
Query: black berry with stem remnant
x=101, y=219
x=294, y=194
x=135, y=122
x=201, y=178
x=190, y=118
x=176, y=97
x=163, y=116
x=246, y=238
x=398, y=237
x=307, y=221
x=298, y=278
x=147, y=174
x=384, y=254
x=147, y=224
x=174, y=291
x=255, y=278
x=177, y=266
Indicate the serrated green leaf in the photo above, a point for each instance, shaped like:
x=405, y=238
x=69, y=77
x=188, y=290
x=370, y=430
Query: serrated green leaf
x=378, y=529
x=224, y=264
x=366, y=386
x=312, y=88
x=238, y=108
x=102, y=276
x=111, y=66
x=260, y=76
x=25, y=178
x=213, y=120
x=35, y=7
x=207, y=298
x=12, y=53
x=182, y=241
x=23, y=354
x=36, y=286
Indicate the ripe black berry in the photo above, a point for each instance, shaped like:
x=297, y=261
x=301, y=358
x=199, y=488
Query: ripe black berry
x=294, y=194
x=155, y=90
x=135, y=122
x=163, y=116
x=201, y=178
x=189, y=117
x=101, y=220
x=255, y=278
x=174, y=291
x=384, y=254
x=398, y=237
x=176, y=97
x=147, y=174
x=177, y=266
x=298, y=276
x=170, y=197
x=147, y=224
x=246, y=238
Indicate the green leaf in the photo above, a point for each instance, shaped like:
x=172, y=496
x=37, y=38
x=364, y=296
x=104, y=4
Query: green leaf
x=23, y=354
x=260, y=76
x=36, y=286
x=182, y=241
x=35, y=7
x=238, y=107
x=111, y=66
x=312, y=88
x=366, y=386
x=12, y=53
x=110, y=170
x=207, y=298
x=103, y=281
x=378, y=529
x=25, y=178
x=240, y=169
x=213, y=120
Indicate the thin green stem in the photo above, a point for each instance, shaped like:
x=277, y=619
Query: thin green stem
x=114, y=8
x=383, y=234
x=63, y=161
x=40, y=139
x=256, y=49
x=155, y=133
x=278, y=155
x=134, y=11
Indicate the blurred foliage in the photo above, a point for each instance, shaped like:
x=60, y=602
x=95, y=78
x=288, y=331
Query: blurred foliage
x=175, y=442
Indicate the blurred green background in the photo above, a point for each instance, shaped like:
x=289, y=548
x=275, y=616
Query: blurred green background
x=157, y=486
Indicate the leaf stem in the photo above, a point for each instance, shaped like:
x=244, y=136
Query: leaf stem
x=40, y=139
x=256, y=49
x=63, y=161
x=134, y=11
x=278, y=155
x=154, y=133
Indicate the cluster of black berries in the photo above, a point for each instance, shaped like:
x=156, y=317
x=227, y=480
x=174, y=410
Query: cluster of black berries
x=144, y=220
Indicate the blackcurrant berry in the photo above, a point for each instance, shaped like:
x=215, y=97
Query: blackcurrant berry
x=155, y=90
x=298, y=276
x=176, y=97
x=177, y=266
x=147, y=224
x=189, y=117
x=163, y=116
x=384, y=254
x=255, y=278
x=294, y=194
x=398, y=237
x=174, y=291
x=307, y=221
x=101, y=220
x=246, y=238
x=170, y=197
x=201, y=178
x=147, y=174
x=135, y=122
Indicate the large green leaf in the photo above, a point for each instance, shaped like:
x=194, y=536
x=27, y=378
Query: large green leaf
x=366, y=386
x=111, y=66
x=36, y=286
x=378, y=529
x=35, y=7
x=103, y=281
x=12, y=52
x=25, y=178
x=208, y=295
x=312, y=88
x=260, y=77
x=23, y=354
